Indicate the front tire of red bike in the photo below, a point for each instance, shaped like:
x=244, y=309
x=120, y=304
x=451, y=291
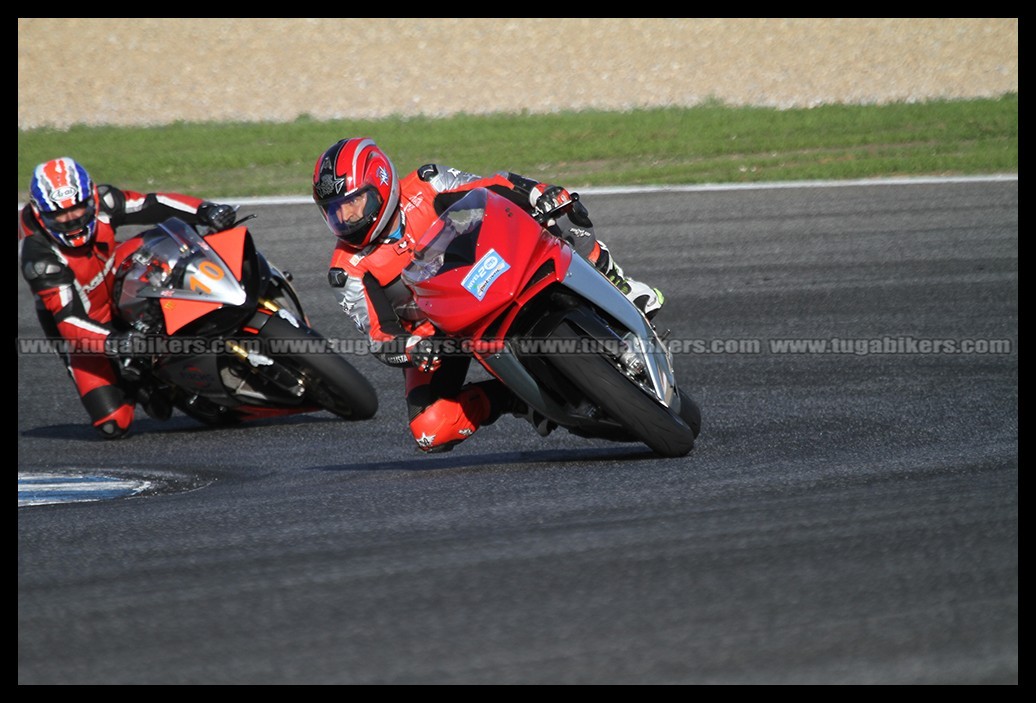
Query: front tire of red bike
x=608, y=387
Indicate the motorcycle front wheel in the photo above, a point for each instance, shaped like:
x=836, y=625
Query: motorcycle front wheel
x=608, y=387
x=330, y=381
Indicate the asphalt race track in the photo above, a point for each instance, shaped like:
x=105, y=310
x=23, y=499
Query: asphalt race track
x=850, y=514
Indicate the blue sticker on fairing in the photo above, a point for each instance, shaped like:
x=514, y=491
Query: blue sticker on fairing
x=482, y=275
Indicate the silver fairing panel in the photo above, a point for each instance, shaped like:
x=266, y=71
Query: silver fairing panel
x=585, y=280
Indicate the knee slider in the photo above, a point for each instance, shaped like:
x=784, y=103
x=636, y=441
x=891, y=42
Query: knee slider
x=116, y=424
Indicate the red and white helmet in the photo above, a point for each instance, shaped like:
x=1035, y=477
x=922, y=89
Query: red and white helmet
x=64, y=200
x=356, y=189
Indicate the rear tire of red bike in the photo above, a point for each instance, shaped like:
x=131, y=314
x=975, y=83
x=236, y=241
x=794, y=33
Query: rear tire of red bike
x=661, y=429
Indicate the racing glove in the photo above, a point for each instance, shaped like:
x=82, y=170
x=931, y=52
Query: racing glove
x=424, y=353
x=549, y=201
x=217, y=216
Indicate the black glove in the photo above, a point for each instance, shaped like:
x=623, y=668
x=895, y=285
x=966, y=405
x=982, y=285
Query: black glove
x=551, y=201
x=424, y=353
x=217, y=216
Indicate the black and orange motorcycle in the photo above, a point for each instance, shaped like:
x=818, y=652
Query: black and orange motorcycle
x=225, y=336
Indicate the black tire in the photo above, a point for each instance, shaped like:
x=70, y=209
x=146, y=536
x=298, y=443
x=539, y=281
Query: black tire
x=331, y=382
x=690, y=411
x=661, y=429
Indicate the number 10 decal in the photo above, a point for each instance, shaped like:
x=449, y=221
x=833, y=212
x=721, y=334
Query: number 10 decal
x=210, y=271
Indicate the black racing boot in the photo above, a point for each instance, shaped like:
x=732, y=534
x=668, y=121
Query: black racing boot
x=154, y=401
x=503, y=401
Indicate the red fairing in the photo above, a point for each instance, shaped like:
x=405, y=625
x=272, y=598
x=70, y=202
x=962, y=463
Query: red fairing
x=510, y=241
x=230, y=245
x=179, y=313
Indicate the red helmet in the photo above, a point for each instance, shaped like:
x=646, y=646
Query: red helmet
x=355, y=187
x=64, y=200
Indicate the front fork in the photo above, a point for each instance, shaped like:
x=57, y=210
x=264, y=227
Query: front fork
x=261, y=364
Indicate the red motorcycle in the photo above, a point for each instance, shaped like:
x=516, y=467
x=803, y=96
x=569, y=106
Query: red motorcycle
x=226, y=336
x=549, y=325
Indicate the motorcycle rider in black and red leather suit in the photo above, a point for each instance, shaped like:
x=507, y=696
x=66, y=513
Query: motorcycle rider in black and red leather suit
x=377, y=218
x=68, y=256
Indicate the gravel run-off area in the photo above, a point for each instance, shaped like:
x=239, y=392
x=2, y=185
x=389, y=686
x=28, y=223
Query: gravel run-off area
x=133, y=71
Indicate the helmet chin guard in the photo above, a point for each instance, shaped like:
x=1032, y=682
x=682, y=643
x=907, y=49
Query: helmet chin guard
x=64, y=200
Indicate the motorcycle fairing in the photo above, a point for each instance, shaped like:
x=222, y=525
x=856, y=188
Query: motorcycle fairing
x=229, y=245
x=453, y=255
x=177, y=313
x=189, y=275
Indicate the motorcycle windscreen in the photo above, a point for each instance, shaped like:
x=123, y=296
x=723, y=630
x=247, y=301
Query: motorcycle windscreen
x=450, y=241
x=175, y=265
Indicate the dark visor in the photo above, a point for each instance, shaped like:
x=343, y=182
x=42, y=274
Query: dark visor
x=74, y=225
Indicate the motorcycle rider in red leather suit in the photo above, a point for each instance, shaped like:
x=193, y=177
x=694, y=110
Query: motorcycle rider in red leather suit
x=377, y=217
x=68, y=256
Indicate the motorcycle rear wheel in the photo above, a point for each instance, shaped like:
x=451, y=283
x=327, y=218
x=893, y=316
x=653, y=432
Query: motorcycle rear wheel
x=660, y=428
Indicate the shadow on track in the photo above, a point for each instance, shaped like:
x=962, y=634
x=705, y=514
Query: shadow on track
x=522, y=458
x=176, y=425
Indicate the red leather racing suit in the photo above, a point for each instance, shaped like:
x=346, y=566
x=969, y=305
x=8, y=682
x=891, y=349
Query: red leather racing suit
x=73, y=291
